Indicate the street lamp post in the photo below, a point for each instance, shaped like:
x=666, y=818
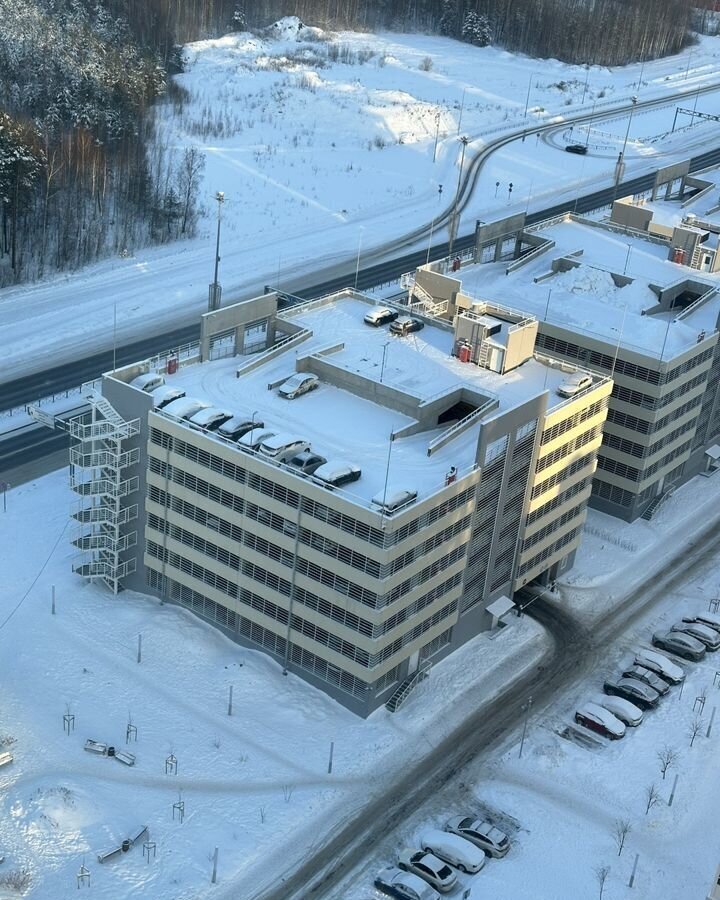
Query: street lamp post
x=527, y=99
x=464, y=140
x=620, y=167
x=215, y=290
x=437, y=133
x=357, y=263
x=587, y=78
x=382, y=367
x=462, y=107
x=526, y=710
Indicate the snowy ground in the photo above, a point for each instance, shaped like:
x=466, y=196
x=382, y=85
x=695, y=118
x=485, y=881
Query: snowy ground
x=254, y=784
x=321, y=165
x=60, y=805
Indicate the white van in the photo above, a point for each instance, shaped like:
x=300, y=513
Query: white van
x=280, y=447
x=185, y=407
x=392, y=500
x=148, y=382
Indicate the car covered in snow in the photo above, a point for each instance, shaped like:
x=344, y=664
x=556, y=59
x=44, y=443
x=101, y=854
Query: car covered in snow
x=681, y=644
x=642, y=673
x=337, y=473
x=237, y=426
x=404, y=885
x=600, y=720
x=307, y=462
x=148, y=381
x=635, y=691
x=406, y=325
x=427, y=866
x=453, y=849
x=165, y=394
x=380, y=315
x=627, y=712
x=185, y=407
x=480, y=832
x=282, y=447
x=709, y=619
x=252, y=439
x=574, y=383
x=210, y=418
x=297, y=385
x=703, y=633
x=391, y=501
x=664, y=667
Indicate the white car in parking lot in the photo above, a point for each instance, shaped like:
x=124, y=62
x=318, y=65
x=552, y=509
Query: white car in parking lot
x=622, y=709
x=454, y=850
x=404, y=885
x=481, y=833
x=655, y=661
x=433, y=870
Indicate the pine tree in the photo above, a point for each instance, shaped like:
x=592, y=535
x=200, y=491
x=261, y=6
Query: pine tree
x=476, y=30
x=239, y=19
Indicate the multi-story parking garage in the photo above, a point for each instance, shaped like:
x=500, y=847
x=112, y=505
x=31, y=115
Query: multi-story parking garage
x=474, y=478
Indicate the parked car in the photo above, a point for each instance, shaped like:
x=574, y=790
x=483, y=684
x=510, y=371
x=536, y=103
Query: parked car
x=237, y=426
x=406, y=325
x=580, y=149
x=380, y=315
x=437, y=873
x=282, y=447
x=404, y=885
x=670, y=671
x=307, y=462
x=298, y=384
x=627, y=712
x=148, y=381
x=251, y=440
x=707, y=619
x=337, y=473
x=600, y=720
x=574, y=383
x=681, y=644
x=481, y=833
x=165, y=394
x=703, y=633
x=636, y=692
x=453, y=849
x=210, y=418
x=185, y=407
x=642, y=673
x=392, y=501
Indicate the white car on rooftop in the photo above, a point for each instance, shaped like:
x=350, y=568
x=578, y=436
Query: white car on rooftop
x=480, y=832
x=298, y=384
x=185, y=407
x=392, y=500
x=404, y=885
x=453, y=849
x=574, y=383
x=281, y=447
x=252, y=439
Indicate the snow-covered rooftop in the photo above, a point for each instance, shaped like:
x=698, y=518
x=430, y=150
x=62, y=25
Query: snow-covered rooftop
x=587, y=299
x=347, y=426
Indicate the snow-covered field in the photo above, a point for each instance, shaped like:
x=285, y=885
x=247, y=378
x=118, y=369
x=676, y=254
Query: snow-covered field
x=323, y=160
x=255, y=784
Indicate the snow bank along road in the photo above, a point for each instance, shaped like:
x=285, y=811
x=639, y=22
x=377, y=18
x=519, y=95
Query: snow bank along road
x=575, y=652
x=36, y=383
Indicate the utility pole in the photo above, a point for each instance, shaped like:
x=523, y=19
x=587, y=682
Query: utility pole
x=215, y=289
x=464, y=140
x=437, y=133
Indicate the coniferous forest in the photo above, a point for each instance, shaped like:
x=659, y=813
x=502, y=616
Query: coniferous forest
x=81, y=175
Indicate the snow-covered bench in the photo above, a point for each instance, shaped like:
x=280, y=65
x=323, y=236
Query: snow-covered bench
x=96, y=747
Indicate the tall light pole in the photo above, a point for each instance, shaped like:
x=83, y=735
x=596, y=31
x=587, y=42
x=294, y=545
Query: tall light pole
x=357, y=262
x=587, y=78
x=620, y=169
x=462, y=107
x=215, y=290
x=527, y=99
x=437, y=133
x=464, y=140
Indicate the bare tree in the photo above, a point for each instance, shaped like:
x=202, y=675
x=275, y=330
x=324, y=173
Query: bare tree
x=695, y=729
x=667, y=757
x=621, y=830
x=189, y=172
x=652, y=797
x=601, y=874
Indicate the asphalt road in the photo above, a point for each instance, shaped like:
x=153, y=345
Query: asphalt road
x=575, y=652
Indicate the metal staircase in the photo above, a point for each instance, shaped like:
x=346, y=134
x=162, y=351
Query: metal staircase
x=420, y=299
x=652, y=507
x=98, y=474
x=406, y=687
x=483, y=354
